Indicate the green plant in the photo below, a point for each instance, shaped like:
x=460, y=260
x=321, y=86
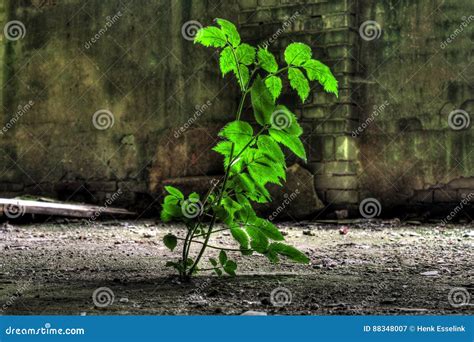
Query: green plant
x=252, y=158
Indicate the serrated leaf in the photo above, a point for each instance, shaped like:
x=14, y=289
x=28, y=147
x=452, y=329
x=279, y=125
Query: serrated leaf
x=230, y=268
x=299, y=82
x=224, y=148
x=264, y=173
x=213, y=261
x=269, y=229
x=292, y=142
x=230, y=31
x=227, y=61
x=245, y=54
x=258, y=240
x=175, y=192
x=262, y=102
x=211, y=36
x=243, y=76
x=272, y=256
x=297, y=53
x=283, y=119
x=274, y=86
x=223, y=258
x=289, y=251
x=321, y=72
x=241, y=237
x=238, y=132
x=270, y=148
x=170, y=241
x=230, y=206
x=267, y=61
x=246, y=182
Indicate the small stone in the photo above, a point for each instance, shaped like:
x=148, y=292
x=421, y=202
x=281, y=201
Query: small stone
x=469, y=234
x=148, y=235
x=430, y=273
x=123, y=300
x=308, y=232
x=254, y=313
x=344, y=230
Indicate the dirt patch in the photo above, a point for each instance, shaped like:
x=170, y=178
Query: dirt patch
x=376, y=268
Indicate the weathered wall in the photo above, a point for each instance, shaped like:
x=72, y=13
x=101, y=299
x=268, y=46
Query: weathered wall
x=412, y=77
x=141, y=69
x=386, y=136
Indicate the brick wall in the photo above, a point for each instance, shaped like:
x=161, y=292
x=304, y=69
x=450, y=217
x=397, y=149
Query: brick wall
x=386, y=137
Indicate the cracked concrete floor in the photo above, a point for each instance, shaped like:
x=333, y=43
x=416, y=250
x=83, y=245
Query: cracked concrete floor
x=382, y=267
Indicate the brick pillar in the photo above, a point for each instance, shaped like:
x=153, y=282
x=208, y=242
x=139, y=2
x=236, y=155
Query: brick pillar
x=329, y=27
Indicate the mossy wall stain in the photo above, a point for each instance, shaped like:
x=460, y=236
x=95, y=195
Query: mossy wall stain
x=154, y=82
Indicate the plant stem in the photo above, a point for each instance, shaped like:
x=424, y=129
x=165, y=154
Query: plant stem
x=217, y=247
x=222, y=190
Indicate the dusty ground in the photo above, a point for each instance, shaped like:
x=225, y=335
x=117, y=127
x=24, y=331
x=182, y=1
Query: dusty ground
x=376, y=268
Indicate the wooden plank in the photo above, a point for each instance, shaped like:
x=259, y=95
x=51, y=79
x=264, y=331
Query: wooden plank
x=13, y=208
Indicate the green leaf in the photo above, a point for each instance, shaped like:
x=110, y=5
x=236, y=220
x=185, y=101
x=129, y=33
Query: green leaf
x=299, y=82
x=269, y=229
x=211, y=36
x=289, y=251
x=238, y=132
x=245, y=54
x=230, y=206
x=264, y=172
x=175, y=192
x=222, y=258
x=283, y=119
x=230, y=267
x=246, y=182
x=267, y=61
x=213, y=261
x=272, y=256
x=321, y=72
x=227, y=61
x=262, y=102
x=297, y=54
x=170, y=241
x=270, y=148
x=230, y=31
x=274, y=85
x=290, y=141
x=218, y=271
x=244, y=76
x=240, y=236
x=165, y=216
x=259, y=241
